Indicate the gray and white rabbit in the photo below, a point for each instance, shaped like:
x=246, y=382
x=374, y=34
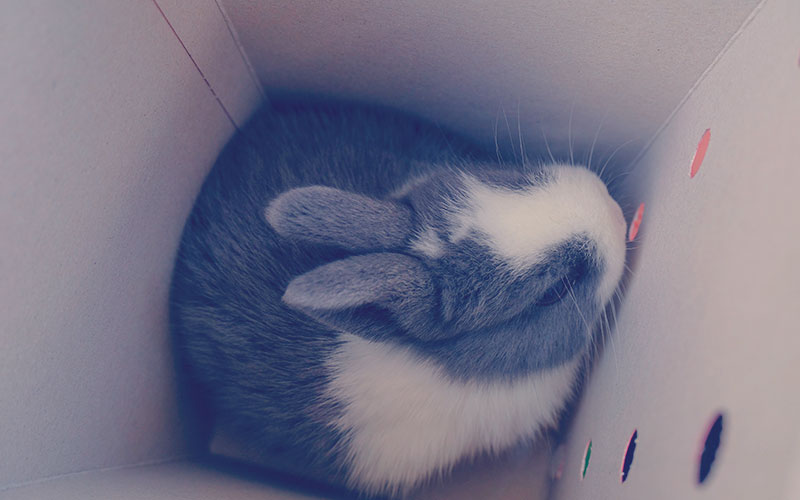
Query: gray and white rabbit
x=369, y=300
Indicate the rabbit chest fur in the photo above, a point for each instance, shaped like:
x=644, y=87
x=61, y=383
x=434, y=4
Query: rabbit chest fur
x=369, y=300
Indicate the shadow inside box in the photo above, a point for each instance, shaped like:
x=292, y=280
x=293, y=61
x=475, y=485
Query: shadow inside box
x=249, y=471
x=518, y=473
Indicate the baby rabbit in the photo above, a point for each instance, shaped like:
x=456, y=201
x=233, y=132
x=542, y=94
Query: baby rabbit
x=369, y=301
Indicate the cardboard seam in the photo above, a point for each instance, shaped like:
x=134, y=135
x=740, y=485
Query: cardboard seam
x=242, y=53
x=197, y=66
x=33, y=482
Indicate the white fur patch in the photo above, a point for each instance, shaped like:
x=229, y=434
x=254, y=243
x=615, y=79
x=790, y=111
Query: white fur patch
x=408, y=420
x=519, y=226
x=428, y=243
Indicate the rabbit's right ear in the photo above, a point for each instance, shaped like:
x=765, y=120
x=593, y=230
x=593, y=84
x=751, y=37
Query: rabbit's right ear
x=374, y=295
x=323, y=215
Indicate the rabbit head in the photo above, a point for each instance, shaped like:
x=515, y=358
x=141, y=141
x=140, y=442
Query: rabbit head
x=487, y=270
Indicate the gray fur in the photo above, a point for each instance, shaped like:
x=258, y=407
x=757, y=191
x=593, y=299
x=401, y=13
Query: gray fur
x=326, y=216
x=382, y=296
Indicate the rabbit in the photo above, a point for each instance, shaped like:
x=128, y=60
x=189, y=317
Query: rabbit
x=369, y=300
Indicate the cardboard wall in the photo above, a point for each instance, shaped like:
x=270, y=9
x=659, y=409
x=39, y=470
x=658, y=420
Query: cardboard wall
x=172, y=480
x=479, y=67
x=107, y=130
x=710, y=320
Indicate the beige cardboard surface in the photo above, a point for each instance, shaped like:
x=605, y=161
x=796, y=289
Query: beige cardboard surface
x=177, y=480
x=107, y=130
x=212, y=42
x=710, y=320
x=473, y=64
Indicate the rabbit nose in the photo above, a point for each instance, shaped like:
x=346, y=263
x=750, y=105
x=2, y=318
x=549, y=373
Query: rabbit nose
x=616, y=214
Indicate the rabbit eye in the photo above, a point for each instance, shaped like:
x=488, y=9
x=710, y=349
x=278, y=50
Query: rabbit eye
x=554, y=294
x=563, y=286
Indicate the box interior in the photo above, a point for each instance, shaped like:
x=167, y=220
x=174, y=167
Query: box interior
x=115, y=112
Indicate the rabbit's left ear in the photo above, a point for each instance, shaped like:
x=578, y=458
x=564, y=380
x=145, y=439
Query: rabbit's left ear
x=374, y=295
x=323, y=215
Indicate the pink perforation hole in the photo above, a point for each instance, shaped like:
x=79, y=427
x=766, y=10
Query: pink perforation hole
x=635, y=223
x=702, y=147
x=557, y=462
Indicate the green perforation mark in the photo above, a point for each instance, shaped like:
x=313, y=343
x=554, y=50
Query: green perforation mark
x=586, y=457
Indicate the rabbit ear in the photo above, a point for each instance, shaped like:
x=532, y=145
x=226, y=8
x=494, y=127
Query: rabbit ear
x=329, y=216
x=375, y=296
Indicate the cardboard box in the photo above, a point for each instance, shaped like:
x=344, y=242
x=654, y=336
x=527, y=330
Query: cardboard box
x=113, y=112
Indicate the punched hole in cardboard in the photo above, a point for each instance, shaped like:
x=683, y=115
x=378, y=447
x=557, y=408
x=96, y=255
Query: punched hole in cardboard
x=710, y=446
x=627, y=460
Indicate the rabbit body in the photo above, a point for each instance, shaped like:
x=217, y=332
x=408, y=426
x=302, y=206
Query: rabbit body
x=368, y=300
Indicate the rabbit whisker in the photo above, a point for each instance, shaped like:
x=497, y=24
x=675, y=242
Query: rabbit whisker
x=569, y=132
x=594, y=140
x=618, y=148
x=547, y=145
x=510, y=137
x=496, y=143
x=519, y=132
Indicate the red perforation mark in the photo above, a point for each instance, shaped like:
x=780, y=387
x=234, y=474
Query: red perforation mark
x=702, y=147
x=635, y=223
